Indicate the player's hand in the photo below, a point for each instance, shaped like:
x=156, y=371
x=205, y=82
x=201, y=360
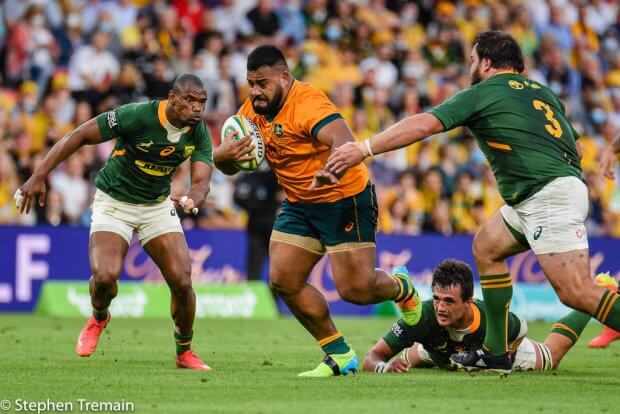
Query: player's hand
x=609, y=161
x=321, y=178
x=230, y=151
x=398, y=366
x=24, y=196
x=186, y=204
x=344, y=157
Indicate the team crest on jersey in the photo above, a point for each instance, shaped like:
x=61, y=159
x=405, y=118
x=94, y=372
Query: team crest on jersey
x=278, y=132
x=189, y=150
x=514, y=84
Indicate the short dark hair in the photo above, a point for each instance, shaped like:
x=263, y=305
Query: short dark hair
x=501, y=49
x=452, y=272
x=266, y=55
x=187, y=79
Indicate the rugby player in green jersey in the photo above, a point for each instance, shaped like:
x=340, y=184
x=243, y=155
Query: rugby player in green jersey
x=453, y=321
x=133, y=195
x=522, y=128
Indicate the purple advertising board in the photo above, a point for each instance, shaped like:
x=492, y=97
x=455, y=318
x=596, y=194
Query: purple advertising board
x=31, y=255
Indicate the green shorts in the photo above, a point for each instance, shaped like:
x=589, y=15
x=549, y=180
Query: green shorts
x=345, y=224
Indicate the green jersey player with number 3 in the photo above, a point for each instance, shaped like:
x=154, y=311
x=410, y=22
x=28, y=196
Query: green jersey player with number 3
x=522, y=128
x=133, y=195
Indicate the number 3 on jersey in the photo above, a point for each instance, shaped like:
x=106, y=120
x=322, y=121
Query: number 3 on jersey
x=555, y=130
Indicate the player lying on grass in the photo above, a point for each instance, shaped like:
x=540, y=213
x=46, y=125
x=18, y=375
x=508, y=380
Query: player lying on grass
x=453, y=321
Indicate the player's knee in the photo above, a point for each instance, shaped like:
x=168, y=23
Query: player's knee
x=279, y=283
x=182, y=287
x=355, y=293
x=106, y=274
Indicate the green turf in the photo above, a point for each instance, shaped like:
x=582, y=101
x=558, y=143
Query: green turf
x=256, y=363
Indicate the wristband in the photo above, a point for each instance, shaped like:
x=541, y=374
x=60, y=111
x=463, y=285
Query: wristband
x=367, y=144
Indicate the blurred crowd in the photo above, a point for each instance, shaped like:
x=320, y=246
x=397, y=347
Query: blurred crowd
x=64, y=61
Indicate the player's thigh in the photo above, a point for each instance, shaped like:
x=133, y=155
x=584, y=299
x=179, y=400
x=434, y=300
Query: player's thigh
x=113, y=216
x=499, y=237
x=158, y=219
x=294, y=249
x=106, y=251
x=290, y=265
x=553, y=219
x=353, y=269
x=111, y=228
x=170, y=253
x=348, y=228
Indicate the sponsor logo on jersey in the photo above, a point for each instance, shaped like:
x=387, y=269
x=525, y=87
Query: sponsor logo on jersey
x=537, y=233
x=397, y=329
x=349, y=227
x=167, y=151
x=112, y=122
x=118, y=153
x=144, y=145
x=154, y=169
x=189, y=150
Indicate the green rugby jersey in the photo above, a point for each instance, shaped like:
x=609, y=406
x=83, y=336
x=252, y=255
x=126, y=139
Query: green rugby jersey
x=148, y=149
x=522, y=129
x=441, y=342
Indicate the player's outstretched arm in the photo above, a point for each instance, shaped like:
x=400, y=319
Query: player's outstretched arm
x=405, y=132
x=86, y=134
x=201, y=180
x=229, y=152
x=377, y=360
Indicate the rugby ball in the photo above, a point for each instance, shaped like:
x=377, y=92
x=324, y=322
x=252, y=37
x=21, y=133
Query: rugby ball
x=244, y=127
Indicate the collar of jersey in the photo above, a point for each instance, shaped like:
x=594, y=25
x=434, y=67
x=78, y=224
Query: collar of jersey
x=163, y=119
x=475, y=323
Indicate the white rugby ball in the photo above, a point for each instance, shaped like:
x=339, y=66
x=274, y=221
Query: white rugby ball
x=245, y=127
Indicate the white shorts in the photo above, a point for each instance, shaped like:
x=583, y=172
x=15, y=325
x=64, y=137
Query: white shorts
x=553, y=219
x=148, y=220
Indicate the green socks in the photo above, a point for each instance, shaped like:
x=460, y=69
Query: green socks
x=497, y=292
x=183, y=342
x=571, y=325
x=334, y=344
x=100, y=315
x=608, y=310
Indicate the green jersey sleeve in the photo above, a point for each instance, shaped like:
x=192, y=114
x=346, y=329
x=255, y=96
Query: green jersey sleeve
x=204, y=147
x=398, y=337
x=122, y=122
x=458, y=109
x=517, y=328
x=401, y=335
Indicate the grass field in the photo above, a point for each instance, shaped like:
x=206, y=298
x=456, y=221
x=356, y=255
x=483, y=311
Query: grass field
x=256, y=363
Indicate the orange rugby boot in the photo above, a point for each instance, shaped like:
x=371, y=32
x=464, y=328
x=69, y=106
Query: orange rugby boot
x=89, y=336
x=190, y=360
